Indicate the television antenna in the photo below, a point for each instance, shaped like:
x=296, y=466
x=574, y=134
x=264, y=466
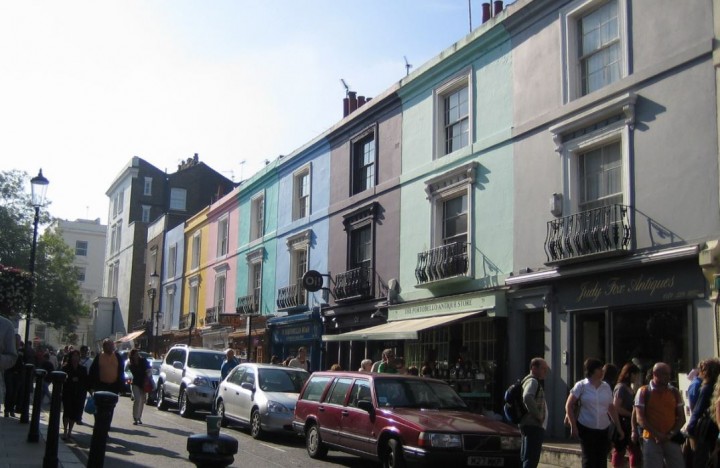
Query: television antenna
x=408, y=66
x=345, y=85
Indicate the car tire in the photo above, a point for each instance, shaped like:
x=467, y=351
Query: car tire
x=256, y=431
x=392, y=455
x=221, y=413
x=161, y=402
x=184, y=406
x=316, y=448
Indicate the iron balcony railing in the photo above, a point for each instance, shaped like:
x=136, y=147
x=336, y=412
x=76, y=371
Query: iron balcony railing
x=184, y=322
x=211, y=315
x=247, y=304
x=291, y=296
x=356, y=284
x=597, y=232
x=442, y=262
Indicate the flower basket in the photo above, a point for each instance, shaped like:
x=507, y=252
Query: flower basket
x=15, y=286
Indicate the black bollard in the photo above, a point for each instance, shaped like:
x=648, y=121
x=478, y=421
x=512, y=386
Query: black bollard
x=51, y=443
x=28, y=377
x=211, y=451
x=34, y=432
x=104, y=406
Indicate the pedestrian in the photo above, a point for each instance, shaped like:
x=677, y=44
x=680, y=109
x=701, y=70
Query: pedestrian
x=594, y=416
x=413, y=370
x=229, y=363
x=73, y=392
x=534, y=423
x=660, y=412
x=702, y=445
x=387, y=355
x=301, y=361
x=8, y=352
x=389, y=365
x=623, y=398
x=85, y=359
x=336, y=368
x=14, y=382
x=275, y=360
x=610, y=374
x=46, y=365
x=365, y=365
x=141, y=371
x=107, y=372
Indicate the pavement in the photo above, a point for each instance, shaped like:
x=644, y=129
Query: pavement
x=17, y=452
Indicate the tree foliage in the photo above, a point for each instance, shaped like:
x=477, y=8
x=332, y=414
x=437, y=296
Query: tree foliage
x=57, y=297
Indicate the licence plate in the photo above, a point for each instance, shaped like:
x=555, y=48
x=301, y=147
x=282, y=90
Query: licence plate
x=486, y=461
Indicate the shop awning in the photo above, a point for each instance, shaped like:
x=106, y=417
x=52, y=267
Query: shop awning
x=400, y=329
x=131, y=336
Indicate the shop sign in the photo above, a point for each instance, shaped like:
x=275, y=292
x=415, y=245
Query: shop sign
x=648, y=285
x=450, y=305
x=295, y=333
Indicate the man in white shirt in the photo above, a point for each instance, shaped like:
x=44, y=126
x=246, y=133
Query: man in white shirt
x=300, y=361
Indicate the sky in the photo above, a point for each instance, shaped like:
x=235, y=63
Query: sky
x=87, y=85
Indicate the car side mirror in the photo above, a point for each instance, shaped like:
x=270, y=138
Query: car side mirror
x=178, y=365
x=366, y=405
x=247, y=386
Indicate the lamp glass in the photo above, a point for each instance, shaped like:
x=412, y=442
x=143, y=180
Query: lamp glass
x=154, y=281
x=38, y=186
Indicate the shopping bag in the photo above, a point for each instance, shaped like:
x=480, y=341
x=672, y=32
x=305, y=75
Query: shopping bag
x=90, y=405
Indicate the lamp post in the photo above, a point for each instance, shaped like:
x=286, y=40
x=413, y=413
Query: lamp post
x=152, y=292
x=38, y=186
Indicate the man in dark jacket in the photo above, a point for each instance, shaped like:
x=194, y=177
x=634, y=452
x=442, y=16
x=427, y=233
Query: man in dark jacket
x=533, y=424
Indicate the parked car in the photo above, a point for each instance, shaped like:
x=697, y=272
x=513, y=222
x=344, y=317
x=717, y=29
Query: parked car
x=189, y=377
x=399, y=419
x=155, y=366
x=127, y=389
x=261, y=396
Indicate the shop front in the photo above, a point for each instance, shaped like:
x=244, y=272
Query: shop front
x=290, y=332
x=461, y=339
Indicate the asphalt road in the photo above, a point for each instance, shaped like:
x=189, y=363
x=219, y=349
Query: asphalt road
x=162, y=438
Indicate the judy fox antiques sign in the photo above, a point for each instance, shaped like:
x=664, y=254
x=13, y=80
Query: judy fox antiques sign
x=658, y=284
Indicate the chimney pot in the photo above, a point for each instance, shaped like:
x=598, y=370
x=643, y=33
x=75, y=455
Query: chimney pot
x=498, y=7
x=361, y=101
x=485, y=12
x=346, y=107
x=353, y=101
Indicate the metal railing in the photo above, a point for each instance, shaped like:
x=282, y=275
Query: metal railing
x=356, y=283
x=442, y=262
x=247, y=304
x=597, y=232
x=291, y=296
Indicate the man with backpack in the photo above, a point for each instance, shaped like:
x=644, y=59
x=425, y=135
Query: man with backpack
x=534, y=421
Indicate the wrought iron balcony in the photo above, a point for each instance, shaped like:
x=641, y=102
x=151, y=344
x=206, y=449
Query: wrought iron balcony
x=211, y=315
x=291, y=296
x=446, y=261
x=354, y=284
x=593, y=233
x=247, y=304
x=184, y=322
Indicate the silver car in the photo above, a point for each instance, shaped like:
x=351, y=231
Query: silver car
x=261, y=396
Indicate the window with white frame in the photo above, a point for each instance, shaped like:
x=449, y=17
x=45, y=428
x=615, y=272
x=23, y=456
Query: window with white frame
x=147, y=188
x=178, y=199
x=172, y=261
x=169, y=305
x=115, y=237
x=301, y=193
x=450, y=195
x=595, y=39
x=118, y=203
x=195, y=254
x=146, y=213
x=113, y=279
x=595, y=151
x=299, y=246
x=257, y=213
x=255, y=262
x=81, y=248
x=80, y=273
x=220, y=283
x=193, y=297
x=41, y=331
x=361, y=247
x=453, y=114
x=223, y=236
x=363, y=153
x=152, y=261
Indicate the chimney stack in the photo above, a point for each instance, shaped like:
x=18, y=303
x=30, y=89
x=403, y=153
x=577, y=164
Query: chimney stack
x=352, y=95
x=346, y=106
x=485, y=12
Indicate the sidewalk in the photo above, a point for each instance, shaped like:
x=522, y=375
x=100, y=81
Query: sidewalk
x=16, y=451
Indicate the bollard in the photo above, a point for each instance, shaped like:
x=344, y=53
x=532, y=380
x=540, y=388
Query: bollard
x=34, y=432
x=27, y=376
x=212, y=449
x=104, y=406
x=58, y=379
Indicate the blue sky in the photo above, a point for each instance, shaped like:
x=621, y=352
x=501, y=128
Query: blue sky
x=87, y=85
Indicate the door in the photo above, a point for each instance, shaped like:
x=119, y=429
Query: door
x=246, y=397
x=230, y=391
x=173, y=375
x=356, y=426
x=590, y=339
x=330, y=411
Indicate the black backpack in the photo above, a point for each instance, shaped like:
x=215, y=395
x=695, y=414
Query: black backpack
x=514, y=407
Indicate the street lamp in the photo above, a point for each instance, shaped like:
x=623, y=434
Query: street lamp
x=38, y=187
x=152, y=292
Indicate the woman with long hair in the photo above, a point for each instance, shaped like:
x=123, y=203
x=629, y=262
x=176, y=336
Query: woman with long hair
x=623, y=401
x=703, y=444
x=141, y=371
x=73, y=392
x=596, y=413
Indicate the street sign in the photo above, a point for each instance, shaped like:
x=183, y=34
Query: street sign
x=312, y=281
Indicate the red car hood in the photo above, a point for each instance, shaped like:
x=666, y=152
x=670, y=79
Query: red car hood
x=450, y=421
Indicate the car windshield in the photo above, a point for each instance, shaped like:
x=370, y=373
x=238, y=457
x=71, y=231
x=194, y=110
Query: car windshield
x=211, y=361
x=282, y=380
x=412, y=393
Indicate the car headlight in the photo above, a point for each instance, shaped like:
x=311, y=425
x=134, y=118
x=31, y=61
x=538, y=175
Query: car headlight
x=201, y=382
x=275, y=407
x=435, y=440
x=510, y=443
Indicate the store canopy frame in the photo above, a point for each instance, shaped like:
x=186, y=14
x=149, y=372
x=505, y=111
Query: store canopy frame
x=130, y=336
x=400, y=329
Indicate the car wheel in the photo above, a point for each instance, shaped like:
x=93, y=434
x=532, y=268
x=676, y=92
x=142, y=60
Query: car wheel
x=161, y=402
x=314, y=444
x=255, y=428
x=392, y=456
x=184, y=406
x=221, y=413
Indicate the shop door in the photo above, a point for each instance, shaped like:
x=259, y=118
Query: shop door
x=534, y=335
x=590, y=339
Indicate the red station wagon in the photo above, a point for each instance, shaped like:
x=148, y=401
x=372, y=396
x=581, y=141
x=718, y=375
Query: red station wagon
x=399, y=419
